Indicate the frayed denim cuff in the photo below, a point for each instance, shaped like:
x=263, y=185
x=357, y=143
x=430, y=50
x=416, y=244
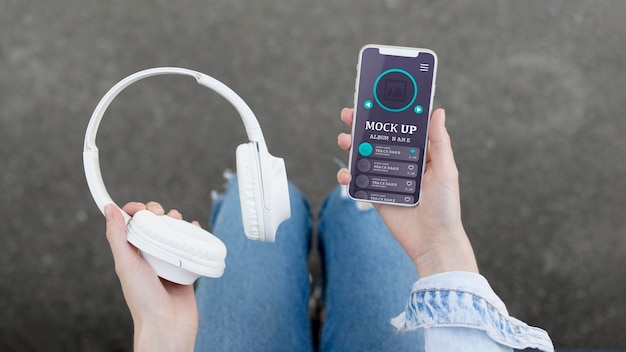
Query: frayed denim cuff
x=466, y=300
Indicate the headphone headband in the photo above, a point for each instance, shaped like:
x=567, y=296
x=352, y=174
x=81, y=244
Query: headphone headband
x=90, y=151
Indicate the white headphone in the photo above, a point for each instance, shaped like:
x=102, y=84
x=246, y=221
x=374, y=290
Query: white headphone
x=177, y=250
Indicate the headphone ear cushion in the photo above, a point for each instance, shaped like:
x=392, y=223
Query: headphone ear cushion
x=182, y=251
x=250, y=193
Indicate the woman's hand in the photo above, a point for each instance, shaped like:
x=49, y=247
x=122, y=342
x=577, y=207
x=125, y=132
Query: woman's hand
x=432, y=232
x=164, y=313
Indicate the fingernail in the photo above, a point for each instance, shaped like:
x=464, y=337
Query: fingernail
x=156, y=206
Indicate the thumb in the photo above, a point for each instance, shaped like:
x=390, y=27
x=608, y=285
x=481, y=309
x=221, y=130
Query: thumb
x=440, y=146
x=116, y=234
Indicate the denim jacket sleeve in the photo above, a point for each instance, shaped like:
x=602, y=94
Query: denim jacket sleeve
x=461, y=312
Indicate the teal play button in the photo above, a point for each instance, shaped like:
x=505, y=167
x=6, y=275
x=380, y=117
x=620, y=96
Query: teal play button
x=366, y=149
x=368, y=104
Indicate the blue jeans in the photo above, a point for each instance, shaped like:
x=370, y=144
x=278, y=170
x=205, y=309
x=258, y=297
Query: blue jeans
x=261, y=302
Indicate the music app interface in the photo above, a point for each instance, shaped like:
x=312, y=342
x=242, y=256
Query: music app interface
x=392, y=110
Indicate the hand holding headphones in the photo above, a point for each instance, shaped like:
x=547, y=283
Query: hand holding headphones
x=150, y=299
x=177, y=250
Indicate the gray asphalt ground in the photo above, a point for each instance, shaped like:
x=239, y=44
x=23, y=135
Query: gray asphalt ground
x=535, y=98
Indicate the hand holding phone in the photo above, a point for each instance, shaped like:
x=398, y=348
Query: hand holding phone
x=432, y=233
x=394, y=90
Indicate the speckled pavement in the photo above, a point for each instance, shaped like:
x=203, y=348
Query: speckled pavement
x=534, y=92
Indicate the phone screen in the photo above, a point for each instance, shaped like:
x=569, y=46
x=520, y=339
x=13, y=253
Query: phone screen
x=393, y=102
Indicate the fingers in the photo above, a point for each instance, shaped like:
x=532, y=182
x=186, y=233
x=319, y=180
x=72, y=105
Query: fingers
x=133, y=207
x=346, y=116
x=175, y=214
x=344, y=141
x=344, y=176
x=439, y=144
x=155, y=207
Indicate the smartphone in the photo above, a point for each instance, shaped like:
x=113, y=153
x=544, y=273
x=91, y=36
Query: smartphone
x=394, y=91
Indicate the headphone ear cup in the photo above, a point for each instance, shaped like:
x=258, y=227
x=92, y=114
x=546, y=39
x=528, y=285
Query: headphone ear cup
x=176, y=249
x=250, y=192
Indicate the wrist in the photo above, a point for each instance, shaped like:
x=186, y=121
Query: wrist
x=454, y=253
x=156, y=336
